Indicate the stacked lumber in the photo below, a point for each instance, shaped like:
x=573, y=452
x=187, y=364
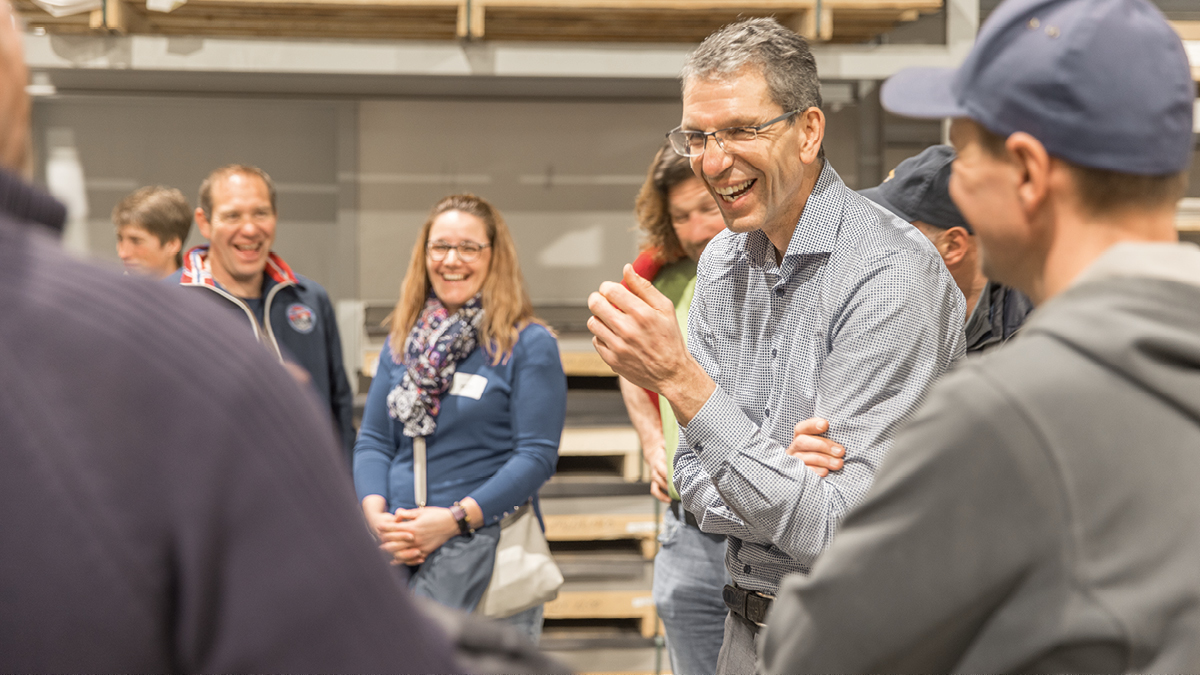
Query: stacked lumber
x=372, y=19
x=686, y=20
x=615, y=441
x=641, y=528
x=517, y=20
x=638, y=605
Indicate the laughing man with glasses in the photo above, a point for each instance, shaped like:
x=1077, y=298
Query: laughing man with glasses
x=813, y=303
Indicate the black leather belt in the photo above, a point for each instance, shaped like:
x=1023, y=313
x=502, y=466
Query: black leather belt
x=683, y=514
x=750, y=605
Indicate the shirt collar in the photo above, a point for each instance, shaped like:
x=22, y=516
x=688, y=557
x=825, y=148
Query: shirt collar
x=196, y=270
x=816, y=231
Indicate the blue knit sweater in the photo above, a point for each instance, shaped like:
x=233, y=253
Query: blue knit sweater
x=498, y=449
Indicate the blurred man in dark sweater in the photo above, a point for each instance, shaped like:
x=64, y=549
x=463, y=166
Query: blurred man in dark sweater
x=172, y=500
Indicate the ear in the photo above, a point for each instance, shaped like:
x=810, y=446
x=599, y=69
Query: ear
x=954, y=245
x=1033, y=163
x=202, y=224
x=174, y=246
x=812, y=125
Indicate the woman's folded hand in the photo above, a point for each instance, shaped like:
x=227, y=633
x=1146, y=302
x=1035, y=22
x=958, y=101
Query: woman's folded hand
x=426, y=529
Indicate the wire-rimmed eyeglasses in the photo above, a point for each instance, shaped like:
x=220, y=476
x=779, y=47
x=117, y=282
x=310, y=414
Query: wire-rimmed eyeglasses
x=692, y=143
x=468, y=251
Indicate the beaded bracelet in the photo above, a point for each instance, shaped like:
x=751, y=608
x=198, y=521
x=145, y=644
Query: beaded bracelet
x=460, y=516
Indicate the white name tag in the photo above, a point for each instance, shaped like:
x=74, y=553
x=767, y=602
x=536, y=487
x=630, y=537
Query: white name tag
x=468, y=385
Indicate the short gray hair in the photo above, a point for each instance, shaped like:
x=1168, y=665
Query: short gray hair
x=781, y=56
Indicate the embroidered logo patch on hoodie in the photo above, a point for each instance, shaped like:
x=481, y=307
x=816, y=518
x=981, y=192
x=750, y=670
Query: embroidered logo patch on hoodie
x=301, y=318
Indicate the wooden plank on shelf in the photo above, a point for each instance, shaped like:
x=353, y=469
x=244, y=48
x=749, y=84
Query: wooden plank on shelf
x=414, y=19
x=117, y=16
x=251, y=5
x=462, y=23
x=600, y=527
x=625, y=673
x=370, y=361
x=1188, y=30
x=586, y=364
x=817, y=26
x=664, y=21
x=559, y=20
x=605, y=441
x=598, y=440
x=476, y=21
x=1187, y=217
x=605, y=527
x=706, y=5
x=606, y=605
x=648, y=5
x=562, y=20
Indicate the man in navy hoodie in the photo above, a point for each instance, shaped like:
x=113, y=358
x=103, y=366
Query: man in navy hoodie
x=289, y=314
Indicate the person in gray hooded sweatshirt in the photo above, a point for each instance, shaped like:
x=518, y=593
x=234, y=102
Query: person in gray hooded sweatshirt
x=1040, y=512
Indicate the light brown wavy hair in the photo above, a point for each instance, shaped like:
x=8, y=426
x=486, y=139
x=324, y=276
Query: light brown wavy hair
x=653, y=209
x=505, y=301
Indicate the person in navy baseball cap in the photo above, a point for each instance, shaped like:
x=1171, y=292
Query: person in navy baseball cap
x=918, y=190
x=1097, y=90
x=1038, y=513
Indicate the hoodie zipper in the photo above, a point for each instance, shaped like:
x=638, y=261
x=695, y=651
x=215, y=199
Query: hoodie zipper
x=267, y=315
x=258, y=331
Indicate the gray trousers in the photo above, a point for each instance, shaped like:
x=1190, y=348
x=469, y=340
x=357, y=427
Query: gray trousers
x=739, y=649
x=689, y=573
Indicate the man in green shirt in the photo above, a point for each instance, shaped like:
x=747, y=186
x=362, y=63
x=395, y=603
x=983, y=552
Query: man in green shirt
x=678, y=217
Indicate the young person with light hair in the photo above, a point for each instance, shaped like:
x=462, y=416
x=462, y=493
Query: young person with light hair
x=152, y=225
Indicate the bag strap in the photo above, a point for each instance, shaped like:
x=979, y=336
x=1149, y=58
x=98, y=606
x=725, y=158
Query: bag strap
x=419, y=466
x=420, y=485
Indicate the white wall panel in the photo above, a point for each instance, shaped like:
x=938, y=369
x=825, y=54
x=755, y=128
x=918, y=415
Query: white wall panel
x=564, y=174
x=125, y=142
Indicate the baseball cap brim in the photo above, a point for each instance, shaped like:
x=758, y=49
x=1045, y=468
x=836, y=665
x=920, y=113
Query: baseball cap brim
x=921, y=93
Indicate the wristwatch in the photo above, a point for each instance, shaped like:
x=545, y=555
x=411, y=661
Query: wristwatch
x=460, y=517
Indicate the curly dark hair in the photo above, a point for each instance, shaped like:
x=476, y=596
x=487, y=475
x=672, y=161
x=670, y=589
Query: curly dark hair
x=652, y=208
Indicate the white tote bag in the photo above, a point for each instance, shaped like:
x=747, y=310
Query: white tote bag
x=524, y=575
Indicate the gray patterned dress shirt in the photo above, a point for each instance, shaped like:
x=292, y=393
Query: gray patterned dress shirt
x=854, y=325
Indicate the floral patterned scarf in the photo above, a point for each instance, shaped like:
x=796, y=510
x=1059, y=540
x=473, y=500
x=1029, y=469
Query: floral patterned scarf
x=436, y=344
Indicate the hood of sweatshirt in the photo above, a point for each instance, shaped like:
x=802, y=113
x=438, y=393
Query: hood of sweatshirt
x=1136, y=312
x=197, y=272
x=25, y=203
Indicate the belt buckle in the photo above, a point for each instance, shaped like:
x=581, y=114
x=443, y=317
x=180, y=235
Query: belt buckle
x=761, y=604
x=739, y=601
x=735, y=599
